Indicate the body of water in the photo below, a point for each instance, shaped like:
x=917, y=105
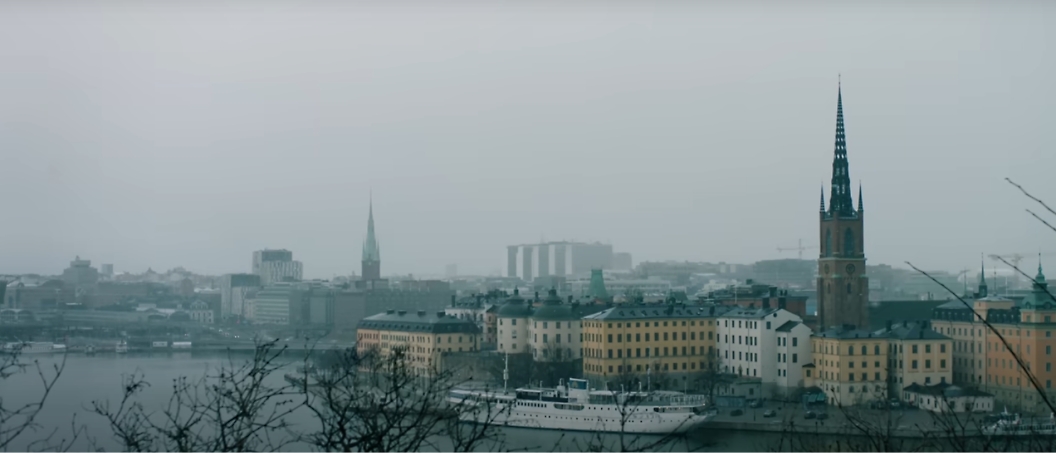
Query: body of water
x=99, y=378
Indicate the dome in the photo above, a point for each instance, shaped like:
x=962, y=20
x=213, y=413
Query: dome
x=515, y=307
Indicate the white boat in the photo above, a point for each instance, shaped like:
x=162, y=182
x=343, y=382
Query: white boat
x=90, y=349
x=1012, y=425
x=31, y=347
x=121, y=347
x=577, y=408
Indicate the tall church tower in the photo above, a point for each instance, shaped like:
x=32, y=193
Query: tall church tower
x=371, y=251
x=843, y=287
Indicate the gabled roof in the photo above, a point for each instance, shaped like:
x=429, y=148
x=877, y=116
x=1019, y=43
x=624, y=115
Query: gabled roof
x=788, y=326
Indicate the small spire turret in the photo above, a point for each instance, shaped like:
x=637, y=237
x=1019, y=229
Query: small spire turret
x=861, y=205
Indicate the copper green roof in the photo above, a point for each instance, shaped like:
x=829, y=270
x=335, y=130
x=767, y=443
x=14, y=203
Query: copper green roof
x=515, y=307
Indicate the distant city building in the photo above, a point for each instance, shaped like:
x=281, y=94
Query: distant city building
x=271, y=304
x=80, y=274
x=756, y=295
x=106, y=271
x=201, y=313
x=234, y=289
x=482, y=309
x=842, y=285
x=557, y=259
x=276, y=266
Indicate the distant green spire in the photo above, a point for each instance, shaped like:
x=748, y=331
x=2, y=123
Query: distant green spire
x=1040, y=278
x=371, y=249
x=840, y=201
x=597, y=284
x=822, y=198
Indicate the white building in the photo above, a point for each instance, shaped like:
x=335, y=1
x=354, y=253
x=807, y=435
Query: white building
x=271, y=305
x=650, y=286
x=946, y=398
x=234, y=289
x=747, y=343
x=200, y=312
x=551, y=332
x=793, y=351
x=280, y=271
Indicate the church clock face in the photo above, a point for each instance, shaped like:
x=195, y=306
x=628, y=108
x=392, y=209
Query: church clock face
x=850, y=269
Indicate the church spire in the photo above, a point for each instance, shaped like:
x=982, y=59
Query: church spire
x=823, y=198
x=861, y=206
x=371, y=249
x=840, y=201
x=982, y=278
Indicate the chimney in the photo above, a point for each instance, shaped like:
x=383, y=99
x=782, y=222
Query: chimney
x=402, y=312
x=389, y=312
x=888, y=324
x=439, y=314
x=773, y=291
x=421, y=312
x=711, y=310
x=781, y=303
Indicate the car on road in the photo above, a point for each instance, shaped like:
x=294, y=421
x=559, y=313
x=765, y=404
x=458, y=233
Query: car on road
x=810, y=415
x=756, y=404
x=736, y=412
x=769, y=413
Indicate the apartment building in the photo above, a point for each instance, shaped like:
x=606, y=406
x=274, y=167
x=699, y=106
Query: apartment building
x=747, y=345
x=661, y=345
x=916, y=354
x=426, y=338
x=983, y=361
x=850, y=365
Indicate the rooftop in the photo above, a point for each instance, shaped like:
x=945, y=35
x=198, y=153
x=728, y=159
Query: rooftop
x=658, y=311
x=910, y=331
x=418, y=322
x=847, y=332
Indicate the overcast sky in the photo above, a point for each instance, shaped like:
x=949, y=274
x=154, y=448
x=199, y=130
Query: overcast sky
x=163, y=136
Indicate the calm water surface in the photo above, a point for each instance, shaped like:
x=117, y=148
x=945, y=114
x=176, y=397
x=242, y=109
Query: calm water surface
x=87, y=379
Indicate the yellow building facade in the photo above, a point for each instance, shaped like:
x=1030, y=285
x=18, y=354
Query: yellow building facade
x=426, y=338
x=657, y=344
x=849, y=365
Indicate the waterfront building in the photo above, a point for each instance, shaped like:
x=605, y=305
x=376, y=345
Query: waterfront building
x=80, y=274
x=842, y=285
x=271, y=304
x=948, y=398
x=663, y=344
x=200, y=312
x=850, y=365
x=916, y=354
x=747, y=345
x=984, y=359
x=426, y=338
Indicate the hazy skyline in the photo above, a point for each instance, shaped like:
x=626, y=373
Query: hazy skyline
x=144, y=135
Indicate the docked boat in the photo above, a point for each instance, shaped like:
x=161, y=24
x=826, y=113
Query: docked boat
x=121, y=347
x=32, y=347
x=575, y=407
x=1012, y=425
x=90, y=349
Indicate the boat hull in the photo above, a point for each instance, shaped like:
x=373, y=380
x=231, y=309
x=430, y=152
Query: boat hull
x=593, y=418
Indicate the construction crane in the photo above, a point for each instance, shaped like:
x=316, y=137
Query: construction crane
x=799, y=248
x=1014, y=259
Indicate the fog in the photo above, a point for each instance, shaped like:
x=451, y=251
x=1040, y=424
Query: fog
x=159, y=135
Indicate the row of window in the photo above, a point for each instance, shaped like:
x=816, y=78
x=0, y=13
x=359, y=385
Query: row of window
x=597, y=353
x=638, y=368
x=638, y=337
x=620, y=325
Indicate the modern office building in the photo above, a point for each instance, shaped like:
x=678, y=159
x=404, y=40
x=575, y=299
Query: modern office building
x=276, y=266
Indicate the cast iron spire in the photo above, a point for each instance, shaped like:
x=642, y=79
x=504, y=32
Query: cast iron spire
x=823, y=198
x=840, y=202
